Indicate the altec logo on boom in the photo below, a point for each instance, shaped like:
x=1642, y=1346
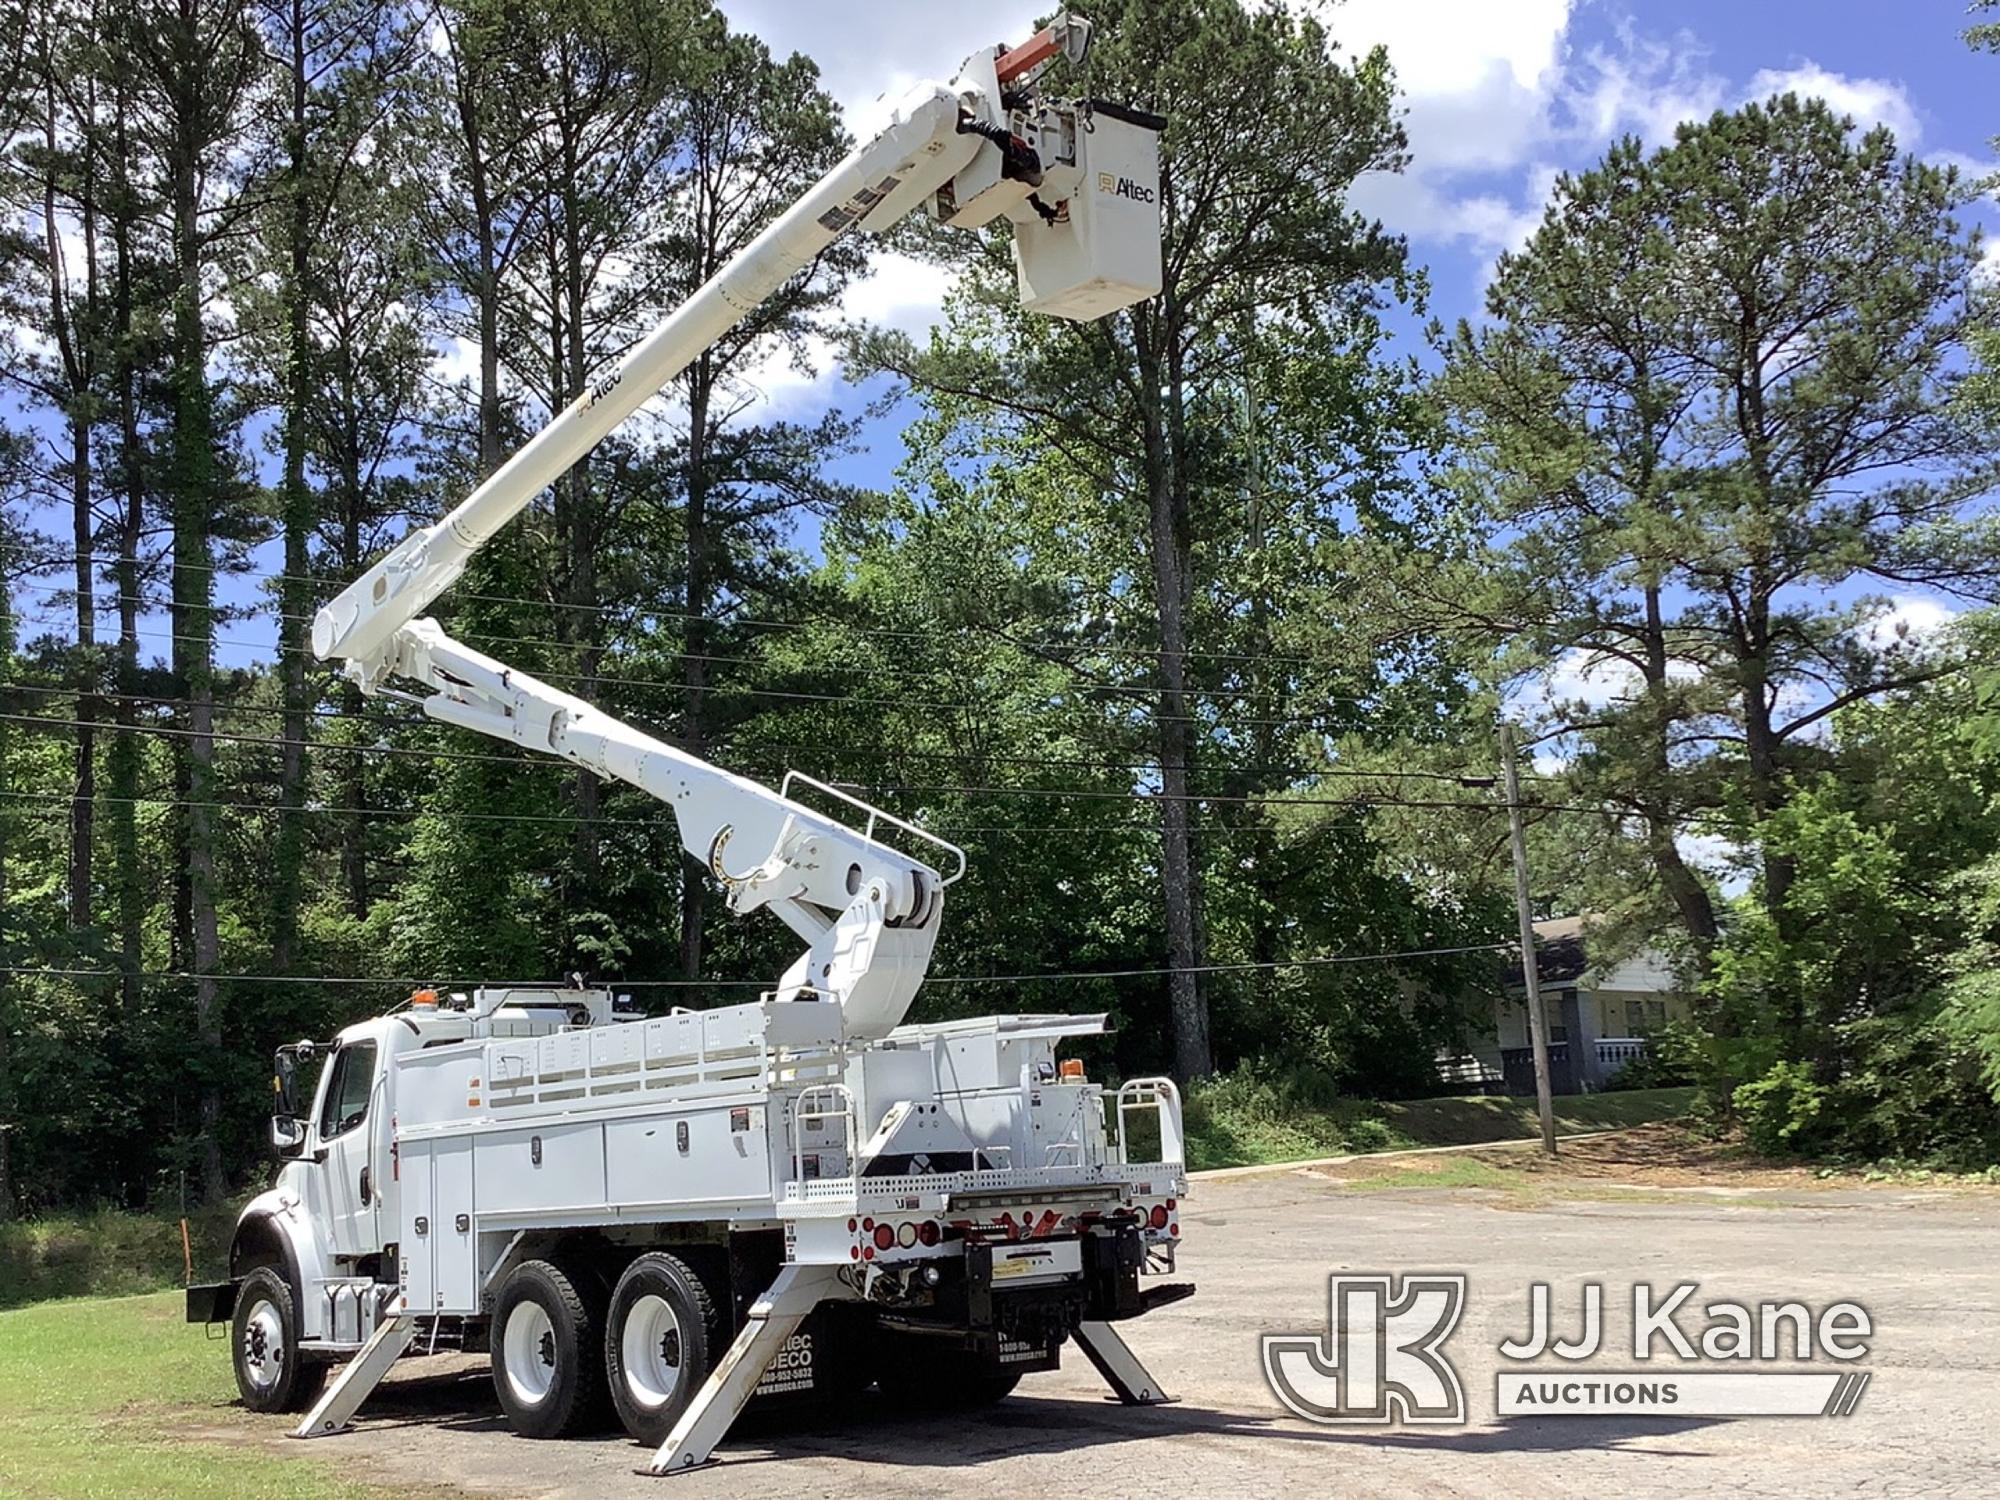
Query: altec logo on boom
x=1382, y=1357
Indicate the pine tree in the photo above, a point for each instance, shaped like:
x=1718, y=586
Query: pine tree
x=1715, y=389
x=1133, y=410
x=757, y=133
x=197, y=63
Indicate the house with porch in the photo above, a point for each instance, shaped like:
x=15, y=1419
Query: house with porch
x=1599, y=1012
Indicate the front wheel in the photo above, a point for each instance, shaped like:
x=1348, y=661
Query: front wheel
x=271, y=1375
x=659, y=1343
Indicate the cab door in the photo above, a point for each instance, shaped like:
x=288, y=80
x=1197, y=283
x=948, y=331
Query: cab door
x=349, y=1176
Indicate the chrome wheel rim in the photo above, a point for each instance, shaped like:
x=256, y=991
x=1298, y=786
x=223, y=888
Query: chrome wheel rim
x=263, y=1346
x=651, y=1350
x=528, y=1353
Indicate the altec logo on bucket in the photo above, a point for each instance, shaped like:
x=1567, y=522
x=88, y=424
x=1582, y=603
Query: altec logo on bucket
x=1124, y=187
x=1382, y=1357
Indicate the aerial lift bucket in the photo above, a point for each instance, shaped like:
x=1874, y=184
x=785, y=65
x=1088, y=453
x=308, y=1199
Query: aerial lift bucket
x=1101, y=251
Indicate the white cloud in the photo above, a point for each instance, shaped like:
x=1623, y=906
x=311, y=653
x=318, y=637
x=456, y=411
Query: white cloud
x=1908, y=623
x=1646, y=87
x=1870, y=101
x=1576, y=679
x=1596, y=680
x=1453, y=47
x=1971, y=168
x=1476, y=76
x=1989, y=263
x=871, y=59
x=1722, y=859
x=899, y=292
x=1498, y=91
x=868, y=68
x=454, y=361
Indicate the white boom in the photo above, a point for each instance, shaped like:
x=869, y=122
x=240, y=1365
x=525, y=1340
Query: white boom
x=980, y=148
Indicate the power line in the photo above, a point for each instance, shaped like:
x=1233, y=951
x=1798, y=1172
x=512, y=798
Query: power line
x=54, y=803
x=750, y=748
x=764, y=622
x=1044, y=977
x=1325, y=961
x=1085, y=794
x=725, y=692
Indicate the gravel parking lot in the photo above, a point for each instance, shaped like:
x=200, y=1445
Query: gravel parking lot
x=1260, y=1248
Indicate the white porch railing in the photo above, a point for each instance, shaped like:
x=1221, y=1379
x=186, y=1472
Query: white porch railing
x=1613, y=1052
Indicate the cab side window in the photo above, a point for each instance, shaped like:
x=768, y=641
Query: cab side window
x=348, y=1088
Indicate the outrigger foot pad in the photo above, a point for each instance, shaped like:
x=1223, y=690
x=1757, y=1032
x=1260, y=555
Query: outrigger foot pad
x=1129, y=1380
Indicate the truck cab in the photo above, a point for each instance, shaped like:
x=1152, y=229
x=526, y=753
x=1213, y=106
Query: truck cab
x=324, y=1234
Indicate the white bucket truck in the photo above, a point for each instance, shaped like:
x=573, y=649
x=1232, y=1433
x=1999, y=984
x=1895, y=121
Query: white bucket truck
x=665, y=1217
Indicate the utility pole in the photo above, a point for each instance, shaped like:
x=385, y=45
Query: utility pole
x=1530, y=970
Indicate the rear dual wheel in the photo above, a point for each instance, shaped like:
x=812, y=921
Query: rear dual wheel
x=560, y=1347
x=660, y=1342
x=547, y=1368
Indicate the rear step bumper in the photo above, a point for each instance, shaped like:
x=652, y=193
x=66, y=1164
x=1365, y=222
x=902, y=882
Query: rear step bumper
x=1151, y=1297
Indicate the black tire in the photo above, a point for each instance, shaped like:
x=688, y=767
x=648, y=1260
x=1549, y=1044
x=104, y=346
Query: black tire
x=271, y=1373
x=923, y=1374
x=546, y=1369
x=661, y=1338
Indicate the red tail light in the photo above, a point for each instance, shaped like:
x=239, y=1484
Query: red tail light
x=1158, y=1217
x=885, y=1236
x=928, y=1233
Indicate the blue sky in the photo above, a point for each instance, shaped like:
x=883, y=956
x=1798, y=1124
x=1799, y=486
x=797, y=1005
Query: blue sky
x=1501, y=96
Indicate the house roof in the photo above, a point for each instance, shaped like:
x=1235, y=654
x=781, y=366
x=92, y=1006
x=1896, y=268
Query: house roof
x=1559, y=952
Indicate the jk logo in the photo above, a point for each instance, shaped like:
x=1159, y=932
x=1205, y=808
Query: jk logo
x=1379, y=1360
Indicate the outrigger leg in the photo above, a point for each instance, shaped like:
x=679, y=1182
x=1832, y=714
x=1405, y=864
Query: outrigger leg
x=355, y=1383
x=1118, y=1365
x=774, y=1317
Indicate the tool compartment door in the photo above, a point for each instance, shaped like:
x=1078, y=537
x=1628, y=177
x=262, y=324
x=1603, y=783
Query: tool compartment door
x=439, y=1270
x=454, y=1227
x=417, y=1236
x=713, y=1155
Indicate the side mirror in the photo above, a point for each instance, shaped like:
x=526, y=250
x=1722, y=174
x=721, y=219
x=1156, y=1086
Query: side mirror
x=288, y=1135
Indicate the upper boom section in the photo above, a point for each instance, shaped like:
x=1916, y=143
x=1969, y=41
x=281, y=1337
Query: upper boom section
x=882, y=180
x=980, y=148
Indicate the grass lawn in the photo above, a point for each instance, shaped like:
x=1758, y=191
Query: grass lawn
x=89, y=1391
x=1232, y=1124
x=1463, y=1122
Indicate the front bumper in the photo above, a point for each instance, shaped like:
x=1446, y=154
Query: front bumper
x=212, y=1302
